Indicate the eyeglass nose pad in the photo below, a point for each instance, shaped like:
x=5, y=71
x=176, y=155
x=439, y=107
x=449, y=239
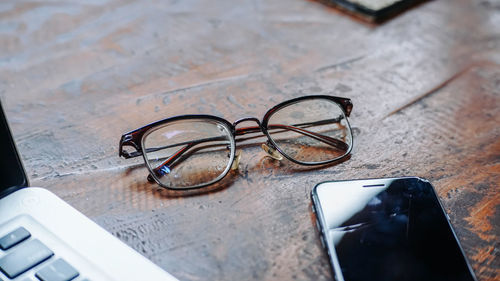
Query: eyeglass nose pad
x=236, y=161
x=272, y=152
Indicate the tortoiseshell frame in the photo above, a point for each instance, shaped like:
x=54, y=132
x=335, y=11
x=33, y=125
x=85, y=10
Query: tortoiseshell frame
x=135, y=138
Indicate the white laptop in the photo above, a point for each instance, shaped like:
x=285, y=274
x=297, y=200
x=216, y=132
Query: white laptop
x=44, y=238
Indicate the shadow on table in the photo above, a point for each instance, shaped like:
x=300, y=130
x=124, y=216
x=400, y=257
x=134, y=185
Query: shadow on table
x=264, y=165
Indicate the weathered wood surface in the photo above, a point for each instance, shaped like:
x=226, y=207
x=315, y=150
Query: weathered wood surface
x=425, y=86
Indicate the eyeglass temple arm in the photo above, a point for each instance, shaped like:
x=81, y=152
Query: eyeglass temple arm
x=326, y=139
x=132, y=154
x=238, y=132
x=128, y=155
x=171, y=159
x=178, y=154
x=256, y=129
x=322, y=138
x=321, y=122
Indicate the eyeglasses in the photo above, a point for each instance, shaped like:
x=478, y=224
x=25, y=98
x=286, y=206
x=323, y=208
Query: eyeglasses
x=193, y=151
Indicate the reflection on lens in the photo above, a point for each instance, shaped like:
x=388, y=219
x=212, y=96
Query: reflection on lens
x=189, y=153
x=311, y=131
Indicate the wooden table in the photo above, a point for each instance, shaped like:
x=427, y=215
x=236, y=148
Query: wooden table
x=425, y=87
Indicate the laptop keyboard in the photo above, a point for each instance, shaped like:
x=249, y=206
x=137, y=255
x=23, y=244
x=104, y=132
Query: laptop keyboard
x=24, y=252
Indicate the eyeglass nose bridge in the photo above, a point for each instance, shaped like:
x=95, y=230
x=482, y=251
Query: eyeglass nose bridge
x=243, y=131
x=268, y=147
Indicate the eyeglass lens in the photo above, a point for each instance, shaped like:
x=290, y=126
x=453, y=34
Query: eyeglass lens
x=311, y=131
x=188, y=153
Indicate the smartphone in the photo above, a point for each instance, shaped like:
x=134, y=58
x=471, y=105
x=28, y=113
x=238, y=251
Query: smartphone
x=387, y=229
x=373, y=10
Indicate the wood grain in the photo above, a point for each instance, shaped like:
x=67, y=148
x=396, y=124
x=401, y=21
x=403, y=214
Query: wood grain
x=425, y=86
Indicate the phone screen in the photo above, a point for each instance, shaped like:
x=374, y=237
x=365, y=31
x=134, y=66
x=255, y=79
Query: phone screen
x=390, y=230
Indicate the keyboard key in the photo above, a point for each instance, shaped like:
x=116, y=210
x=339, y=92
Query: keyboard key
x=59, y=270
x=24, y=257
x=14, y=237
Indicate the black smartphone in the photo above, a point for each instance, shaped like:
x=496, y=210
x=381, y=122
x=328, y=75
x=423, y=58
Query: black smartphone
x=388, y=229
x=373, y=10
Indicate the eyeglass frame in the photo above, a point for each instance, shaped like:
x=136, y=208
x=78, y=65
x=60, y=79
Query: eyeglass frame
x=135, y=138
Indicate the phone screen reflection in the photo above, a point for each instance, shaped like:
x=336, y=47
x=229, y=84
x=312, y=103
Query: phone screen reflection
x=397, y=232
